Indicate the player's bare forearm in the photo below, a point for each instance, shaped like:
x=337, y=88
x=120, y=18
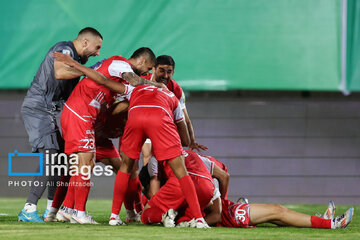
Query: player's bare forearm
x=65, y=72
x=135, y=80
x=154, y=186
x=213, y=212
x=183, y=132
x=120, y=107
x=91, y=73
x=223, y=178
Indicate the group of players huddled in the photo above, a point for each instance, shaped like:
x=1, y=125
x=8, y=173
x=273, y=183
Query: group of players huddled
x=119, y=98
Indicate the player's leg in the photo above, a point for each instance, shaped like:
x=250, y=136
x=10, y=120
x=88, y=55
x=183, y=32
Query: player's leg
x=146, y=151
x=29, y=212
x=163, y=206
x=187, y=186
x=55, y=178
x=132, y=200
x=120, y=188
x=82, y=187
x=261, y=213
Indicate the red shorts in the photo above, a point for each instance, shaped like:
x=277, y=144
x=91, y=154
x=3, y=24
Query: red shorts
x=78, y=133
x=235, y=215
x=171, y=196
x=105, y=149
x=153, y=123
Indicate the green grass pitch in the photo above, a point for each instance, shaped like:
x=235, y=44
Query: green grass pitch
x=10, y=228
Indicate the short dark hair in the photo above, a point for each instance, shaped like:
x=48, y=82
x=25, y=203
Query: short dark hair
x=91, y=30
x=144, y=52
x=165, y=60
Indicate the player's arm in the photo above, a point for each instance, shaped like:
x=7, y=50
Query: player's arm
x=64, y=72
x=213, y=212
x=91, y=73
x=154, y=186
x=223, y=178
x=135, y=80
x=120, y=107
x=146, y=151
x=183, y=133
x=193, y=144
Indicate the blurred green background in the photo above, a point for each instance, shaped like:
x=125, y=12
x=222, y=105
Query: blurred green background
x=216, y=44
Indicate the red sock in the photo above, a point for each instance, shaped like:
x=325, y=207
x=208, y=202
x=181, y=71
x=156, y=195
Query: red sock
x=137, y=197
x=61, y=190
x=151, y=215
x=82, y=190
x=129, y=200
x=70, y=194
x=120, y=189
x=318, y=222
x=188, y=188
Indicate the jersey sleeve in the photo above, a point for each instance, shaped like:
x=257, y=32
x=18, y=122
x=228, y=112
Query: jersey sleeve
x=216, y=193
x=127, y=94
x=182, y=100
x=64, y=49
x=178, y=114
x=117, y=67
x=153, y=167
x=208, y=163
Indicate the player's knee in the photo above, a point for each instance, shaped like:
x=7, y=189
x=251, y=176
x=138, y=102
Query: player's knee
x=279, y=210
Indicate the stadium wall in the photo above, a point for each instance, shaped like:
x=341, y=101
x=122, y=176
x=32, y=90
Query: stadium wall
x=278, y=149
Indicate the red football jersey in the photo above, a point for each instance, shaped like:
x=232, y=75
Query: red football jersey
x=235, y=215
x=88, y=97
x=174, y=87
x=194, y=166
x=150, y=96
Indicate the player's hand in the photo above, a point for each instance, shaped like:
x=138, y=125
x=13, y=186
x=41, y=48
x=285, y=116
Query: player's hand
x=67, y=59
x=163, y=86
x=197, y=147
x=153, y=75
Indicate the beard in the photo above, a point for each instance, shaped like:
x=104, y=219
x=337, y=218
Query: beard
x=163, y=80
x=83, y=59
x=137, y=72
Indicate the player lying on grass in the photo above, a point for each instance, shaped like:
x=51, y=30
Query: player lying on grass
x=247, y=215
x=224, y=213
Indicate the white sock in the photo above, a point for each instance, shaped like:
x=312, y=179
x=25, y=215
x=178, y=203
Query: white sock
x=49, y=203
x=333, y=226
x=80, y=213
x=29, y=207
x=116, y=216
x=69, y=210
x=53, y=210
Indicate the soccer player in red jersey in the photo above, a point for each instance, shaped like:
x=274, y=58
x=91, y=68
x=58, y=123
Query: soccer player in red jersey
x=162, y=73
x=169, y=200
x=151, y=114
x=154, y=113
x=82, y=109
x=248, y=215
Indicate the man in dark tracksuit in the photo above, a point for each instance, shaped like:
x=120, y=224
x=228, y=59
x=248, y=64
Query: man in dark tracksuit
x=43, y=103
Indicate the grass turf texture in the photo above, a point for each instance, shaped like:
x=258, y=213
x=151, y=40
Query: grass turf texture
x=10, y=228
